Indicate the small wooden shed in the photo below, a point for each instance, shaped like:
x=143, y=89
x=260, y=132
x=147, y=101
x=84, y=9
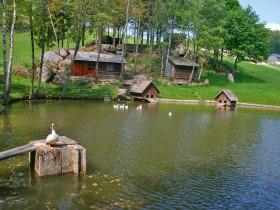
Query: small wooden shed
x=85, y=64
x=145, y=90
x=181, y=68
x=226, y=98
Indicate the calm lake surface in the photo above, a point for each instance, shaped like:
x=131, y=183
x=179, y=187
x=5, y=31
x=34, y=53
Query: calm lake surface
x=200, y=158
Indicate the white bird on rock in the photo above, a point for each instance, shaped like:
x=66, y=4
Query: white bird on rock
x=53, y=137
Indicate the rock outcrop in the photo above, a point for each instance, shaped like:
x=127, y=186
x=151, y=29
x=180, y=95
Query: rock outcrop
x=56, y=63
x=21, y=71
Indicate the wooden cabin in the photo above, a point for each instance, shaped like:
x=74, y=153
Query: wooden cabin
x=226, y=98
x=181, y=68
x=145, y=90
x=85, y=64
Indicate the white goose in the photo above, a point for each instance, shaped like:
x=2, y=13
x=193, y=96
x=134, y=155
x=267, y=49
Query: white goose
x=139, y=107
x=170, y=114
x=53, y=137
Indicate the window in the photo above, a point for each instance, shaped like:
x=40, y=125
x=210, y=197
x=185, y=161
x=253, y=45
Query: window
x=91, y=66
x=109, y=67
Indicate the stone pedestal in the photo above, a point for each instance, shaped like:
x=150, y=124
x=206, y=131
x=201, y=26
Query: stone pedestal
x=66, y=156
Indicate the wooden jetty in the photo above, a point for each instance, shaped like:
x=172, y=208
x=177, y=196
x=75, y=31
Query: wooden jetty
x=66, y=156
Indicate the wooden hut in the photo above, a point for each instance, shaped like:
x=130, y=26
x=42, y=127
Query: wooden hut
x=181, y=68
x=145, y=90
x=226, y=98
x=85, y=64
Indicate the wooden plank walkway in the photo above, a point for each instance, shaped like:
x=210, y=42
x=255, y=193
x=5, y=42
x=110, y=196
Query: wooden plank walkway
x=19, y=150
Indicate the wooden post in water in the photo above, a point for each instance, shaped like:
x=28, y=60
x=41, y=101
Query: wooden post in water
x=66, y=156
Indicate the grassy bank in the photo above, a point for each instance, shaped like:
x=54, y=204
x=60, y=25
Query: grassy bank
x=259, y=84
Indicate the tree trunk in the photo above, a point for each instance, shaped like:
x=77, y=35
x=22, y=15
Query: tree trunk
x=123, y=48
x=10, y=64
x=119, y=40
x=169, y=46
x=99, y=50
x=137, y=46
x=191, y=76
x=142, y=37
x=4, y=32
x=114, y=37
x=151, y=46
x=31, y=93
x=235, y=65
x=134, y=36
x=54, y=31
x=162, y=62
x=200, y=72
x=222, y=56
x=42, y=49
x=83, y=35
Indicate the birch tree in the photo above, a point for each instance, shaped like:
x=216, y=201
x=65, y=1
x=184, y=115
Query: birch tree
x=4, y=41
x=8, y=76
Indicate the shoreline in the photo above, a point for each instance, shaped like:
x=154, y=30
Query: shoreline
x=211, y=102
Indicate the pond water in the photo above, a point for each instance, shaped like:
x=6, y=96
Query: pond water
x=200, y=158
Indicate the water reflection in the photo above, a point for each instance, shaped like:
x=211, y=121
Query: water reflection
x=200, y=158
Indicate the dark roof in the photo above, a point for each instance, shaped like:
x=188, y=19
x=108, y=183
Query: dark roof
x=180, y=61
x=141, y=87
x=228, y=94
x=91, y=56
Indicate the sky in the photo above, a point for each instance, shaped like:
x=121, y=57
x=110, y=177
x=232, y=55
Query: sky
x=267, y=10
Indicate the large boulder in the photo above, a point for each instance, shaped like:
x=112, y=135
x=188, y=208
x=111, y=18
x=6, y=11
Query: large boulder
x=90, y=43
x=21, y=71
x=108, y=48
x=180, y=50
x=64, y=66
x=62, y=52
x=230, y=77
x=59, y=79
x=53, y=57
x=47, y=73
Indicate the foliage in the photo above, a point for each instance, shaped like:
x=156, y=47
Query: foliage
x=274, y=45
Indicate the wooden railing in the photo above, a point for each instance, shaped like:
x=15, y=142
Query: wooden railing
x=183, y=76
x=109, y=73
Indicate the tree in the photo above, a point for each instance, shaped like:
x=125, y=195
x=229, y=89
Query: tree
x=8, y=75
x=248, y=39
x=274, y=44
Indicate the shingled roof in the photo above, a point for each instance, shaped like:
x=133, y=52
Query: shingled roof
x=229, y=95
x=141, y=87
x=91, y=56
x=180, y=61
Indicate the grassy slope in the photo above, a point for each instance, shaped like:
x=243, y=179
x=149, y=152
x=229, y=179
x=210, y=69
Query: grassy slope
x=253, y=83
